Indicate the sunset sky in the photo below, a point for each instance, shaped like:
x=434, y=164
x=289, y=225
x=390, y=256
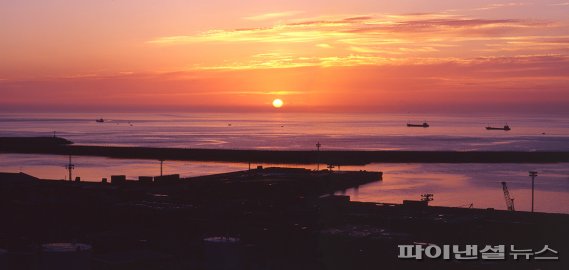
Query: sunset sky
x=358, y=55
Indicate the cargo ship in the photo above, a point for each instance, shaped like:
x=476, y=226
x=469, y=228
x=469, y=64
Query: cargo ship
x=424, y=125
x=506, y=128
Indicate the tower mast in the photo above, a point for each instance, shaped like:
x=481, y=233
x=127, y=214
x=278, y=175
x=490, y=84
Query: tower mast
x=70, y=167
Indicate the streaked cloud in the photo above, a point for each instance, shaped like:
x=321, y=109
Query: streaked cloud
x=351, y=27
x=503, y=5
x=273, y=15
x=324, y=45
x=375, y=40
x=560, y=4
x=422, y=82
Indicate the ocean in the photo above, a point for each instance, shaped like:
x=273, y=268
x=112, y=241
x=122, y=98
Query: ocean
x=451, y=184
x=297, y=131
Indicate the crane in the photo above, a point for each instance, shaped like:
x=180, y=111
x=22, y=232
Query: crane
x=509, y=200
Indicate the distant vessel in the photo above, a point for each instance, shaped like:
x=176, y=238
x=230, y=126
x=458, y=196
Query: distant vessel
x=506, y=128
x=100, y=120
x=424, y=125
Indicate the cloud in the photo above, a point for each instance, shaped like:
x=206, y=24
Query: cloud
x=560, y=4
x=449, y=26
x=377, y=40
x=502, y=5
x=356, y=80
x=324, y=45
x=273, y=15
x=276, y=34
x=356, y=27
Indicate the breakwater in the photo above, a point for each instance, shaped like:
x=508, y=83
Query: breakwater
x=59, y=146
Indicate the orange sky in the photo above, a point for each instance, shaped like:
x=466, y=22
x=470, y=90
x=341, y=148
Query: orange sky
x=215, y=55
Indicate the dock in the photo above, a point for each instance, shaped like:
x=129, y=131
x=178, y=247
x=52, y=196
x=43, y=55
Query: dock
x=253, y=219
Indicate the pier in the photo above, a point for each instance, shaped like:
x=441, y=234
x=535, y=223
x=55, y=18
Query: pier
x=254, y=218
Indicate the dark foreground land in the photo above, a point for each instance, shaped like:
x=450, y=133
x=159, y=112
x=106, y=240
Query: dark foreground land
x=260, y=219
x=60, y=146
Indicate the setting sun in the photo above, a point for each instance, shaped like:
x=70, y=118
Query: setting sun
x=277, y=103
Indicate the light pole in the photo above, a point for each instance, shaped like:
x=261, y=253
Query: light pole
x=318, y=156
x=532, y=174
x=70, y=167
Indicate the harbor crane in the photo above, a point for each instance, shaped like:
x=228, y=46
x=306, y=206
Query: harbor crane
x=509, y=200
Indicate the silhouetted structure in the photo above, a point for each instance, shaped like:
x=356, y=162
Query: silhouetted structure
x=271, y=218
x=423, y=125
x=167, y=179
x=509, y=200
x=145, y=179
x=533, y=175
x=118, y=179
x=70, y=167
x=318, y=145
x=43, y=146
x=505, y=128
x=17, y=178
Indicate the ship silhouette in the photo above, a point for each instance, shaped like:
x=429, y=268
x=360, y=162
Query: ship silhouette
x=505, y=128
x=423, y=125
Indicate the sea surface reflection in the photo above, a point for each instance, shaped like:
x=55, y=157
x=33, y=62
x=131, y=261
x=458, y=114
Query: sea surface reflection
x=451, y=184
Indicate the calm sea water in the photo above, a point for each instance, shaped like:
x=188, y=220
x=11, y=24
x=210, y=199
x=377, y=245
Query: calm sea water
x=452, y=184
x=297, y=131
